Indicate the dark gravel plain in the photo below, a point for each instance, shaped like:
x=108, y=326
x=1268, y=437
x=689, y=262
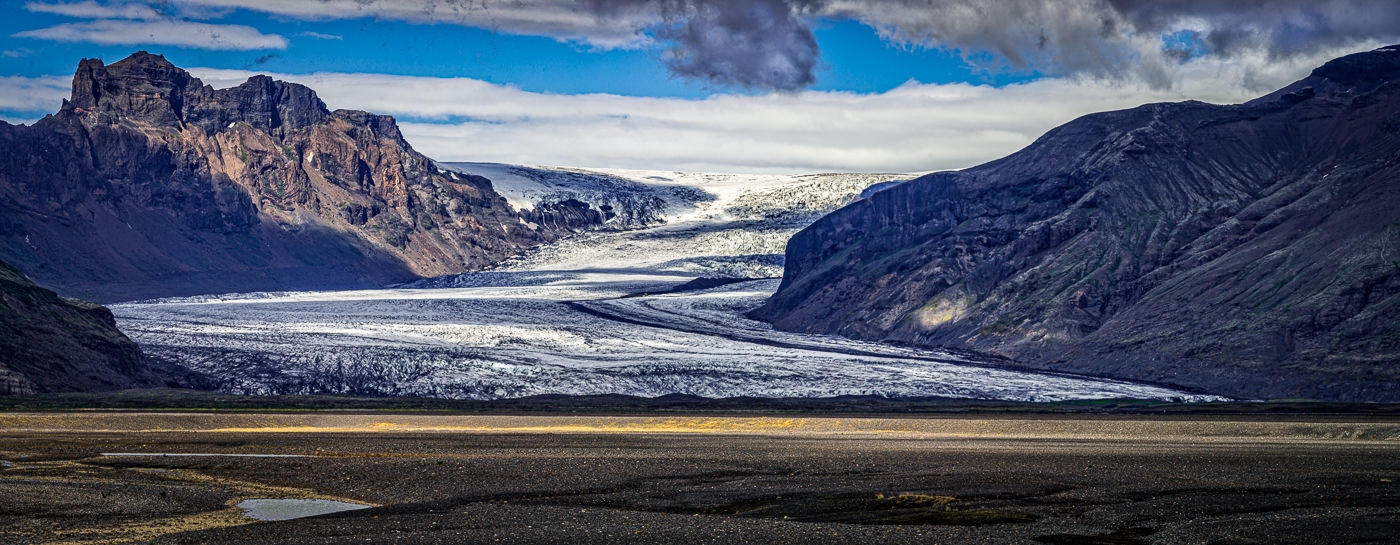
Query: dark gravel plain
x=724, y=480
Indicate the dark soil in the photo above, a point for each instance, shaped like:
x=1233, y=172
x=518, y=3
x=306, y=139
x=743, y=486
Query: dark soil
x=186, y=400
x=835, y=486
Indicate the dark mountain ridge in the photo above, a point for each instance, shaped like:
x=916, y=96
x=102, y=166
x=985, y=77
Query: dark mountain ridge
x=148, y=183
x=1250, y=250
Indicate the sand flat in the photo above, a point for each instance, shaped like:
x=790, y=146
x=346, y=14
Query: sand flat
x=1047, y=427
x=697, y=479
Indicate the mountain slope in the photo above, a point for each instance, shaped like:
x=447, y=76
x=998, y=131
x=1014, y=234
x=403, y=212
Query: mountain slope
x=148, y=183
x=1249, y=250
x=52, y=344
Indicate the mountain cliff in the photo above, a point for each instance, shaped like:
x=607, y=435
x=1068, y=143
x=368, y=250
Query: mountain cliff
x=53, y=344
x=1250, y=250
x=149, y=183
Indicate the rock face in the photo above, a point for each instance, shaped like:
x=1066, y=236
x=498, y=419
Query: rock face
x=149, y=183
x=53, y=344
x=1249, y=250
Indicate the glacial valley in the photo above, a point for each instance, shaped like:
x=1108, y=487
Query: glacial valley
x=653, y=303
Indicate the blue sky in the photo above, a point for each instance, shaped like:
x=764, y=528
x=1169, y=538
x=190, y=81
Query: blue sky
x=839, y=85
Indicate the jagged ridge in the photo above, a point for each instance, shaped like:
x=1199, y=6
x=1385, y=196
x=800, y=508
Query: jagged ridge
x=149, y=183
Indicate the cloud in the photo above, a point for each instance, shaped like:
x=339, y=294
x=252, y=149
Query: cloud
x=92, y=10
x=159, y=23
x=755, y=44
x=262, y=59
x=762, y=44
x=320, y=36
x=586, y=22
x=768, y=44
x=1121, y=38
x=40, y=95
x=1281, y=27
x=913, y=128
x=160, y=32
x=1057, y=37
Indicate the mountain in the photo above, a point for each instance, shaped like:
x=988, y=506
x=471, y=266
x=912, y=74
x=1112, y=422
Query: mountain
x=1250, y=250
x=54, y=344
x=148, y=183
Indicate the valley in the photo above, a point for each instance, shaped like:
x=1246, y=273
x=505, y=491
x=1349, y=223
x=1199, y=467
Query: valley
x=253, y=241
x=318, y=276
x=587, y=315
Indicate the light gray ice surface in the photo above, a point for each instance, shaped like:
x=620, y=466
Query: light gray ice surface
x=555, y=321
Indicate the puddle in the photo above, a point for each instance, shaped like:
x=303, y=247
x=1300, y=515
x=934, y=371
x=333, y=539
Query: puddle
x=206, y=454
x=284, y=509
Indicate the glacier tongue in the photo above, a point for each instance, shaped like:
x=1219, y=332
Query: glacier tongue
x=697, y=225
x=570, y=318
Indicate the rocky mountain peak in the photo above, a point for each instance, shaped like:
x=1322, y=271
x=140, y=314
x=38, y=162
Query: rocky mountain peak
x=1354, y=74
x=154, y=184
x=262, y=102
x=1363, y=72
x=148, y=88
x=142, y=86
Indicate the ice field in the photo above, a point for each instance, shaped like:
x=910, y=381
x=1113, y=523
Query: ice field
x=589, y=315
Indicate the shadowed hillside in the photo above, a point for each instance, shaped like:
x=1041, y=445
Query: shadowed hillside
x=54, y=344
x=1249, y=250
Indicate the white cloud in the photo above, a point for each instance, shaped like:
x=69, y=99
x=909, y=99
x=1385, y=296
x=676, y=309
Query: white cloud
x=913, y=128
x=18, y=120
x=160, y=32
x=320, y=36
x=92, y=10
x=33, y=95
x=567, y=20
x=725, y=43
x=1120, y=39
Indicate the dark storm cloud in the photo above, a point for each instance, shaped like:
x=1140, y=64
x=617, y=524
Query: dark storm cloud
x=754, y=44
x=1122, y=37
x=769, y=44
x=1048, y=36
x=1282, y=27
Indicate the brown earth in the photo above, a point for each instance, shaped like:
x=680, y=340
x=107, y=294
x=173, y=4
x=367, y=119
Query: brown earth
x=148, y=183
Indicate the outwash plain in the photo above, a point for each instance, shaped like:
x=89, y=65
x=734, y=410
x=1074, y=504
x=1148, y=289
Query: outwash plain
x=89, y=477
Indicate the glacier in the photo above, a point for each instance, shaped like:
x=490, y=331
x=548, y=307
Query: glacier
x=615, y=310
